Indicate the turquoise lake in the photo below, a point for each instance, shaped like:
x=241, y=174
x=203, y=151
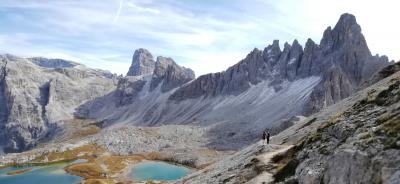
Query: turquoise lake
x=48, y=174
x=160, y=171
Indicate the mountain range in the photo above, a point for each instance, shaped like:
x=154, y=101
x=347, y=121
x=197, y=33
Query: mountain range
x=266, y=89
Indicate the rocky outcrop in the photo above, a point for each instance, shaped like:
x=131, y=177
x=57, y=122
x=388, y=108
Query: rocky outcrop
x=170, y=74
x=128, y=89
x=360, y=144
x=164, y=72
x=142, y=63
x=36, y=100
x=385, y=72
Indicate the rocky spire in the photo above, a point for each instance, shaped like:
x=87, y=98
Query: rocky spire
x=346, y=33
x=142, y=63
x=347, y=41
x=295, y=54
x=308, y=66
x=272, y=53
x=343, y=60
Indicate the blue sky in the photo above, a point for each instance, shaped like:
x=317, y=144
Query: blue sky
x=205, y=35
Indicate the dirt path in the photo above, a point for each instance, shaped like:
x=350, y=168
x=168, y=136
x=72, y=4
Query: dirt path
x=265, y=158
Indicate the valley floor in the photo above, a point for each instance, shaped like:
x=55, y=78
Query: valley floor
x=112, y=152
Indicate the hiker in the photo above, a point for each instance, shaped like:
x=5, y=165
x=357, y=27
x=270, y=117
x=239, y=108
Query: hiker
x=266, y=136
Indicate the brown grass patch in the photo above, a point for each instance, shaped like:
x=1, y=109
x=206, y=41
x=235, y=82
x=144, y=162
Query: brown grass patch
x=87, y=171
x=104, y=167
x=115, y=164
x=89, y=152
x=99, y=181
x=78, y=128
x=22, y=171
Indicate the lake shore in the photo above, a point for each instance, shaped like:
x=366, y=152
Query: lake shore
x=22, y=171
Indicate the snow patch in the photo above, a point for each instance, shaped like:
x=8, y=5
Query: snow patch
x=291, y=61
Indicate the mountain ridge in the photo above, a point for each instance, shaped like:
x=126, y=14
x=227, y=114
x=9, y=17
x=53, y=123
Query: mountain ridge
x=294, y=62
x=261, y=91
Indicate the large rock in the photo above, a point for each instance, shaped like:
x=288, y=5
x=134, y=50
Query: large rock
x=354, y=142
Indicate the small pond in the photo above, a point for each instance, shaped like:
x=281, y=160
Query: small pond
x=160, y=171
x=52, y=173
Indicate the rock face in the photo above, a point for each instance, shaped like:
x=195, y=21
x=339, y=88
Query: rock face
x=172, y=75
x=142, y=63
x=354, y=144
x=35, y=100
x=385, y=72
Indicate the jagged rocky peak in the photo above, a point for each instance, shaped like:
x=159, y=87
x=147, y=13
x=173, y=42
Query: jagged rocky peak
x=347, y=33
x=289, y=61
x=170, y=74
x=272, y=53
x=142, y=63
x=53, y=63
x=343, y=60
x=350, y=50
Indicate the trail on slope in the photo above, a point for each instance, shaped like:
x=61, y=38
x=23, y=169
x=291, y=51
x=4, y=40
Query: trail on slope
x=269, y=151
x=250, y=165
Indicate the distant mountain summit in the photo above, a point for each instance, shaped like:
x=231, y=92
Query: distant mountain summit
x=142, y=63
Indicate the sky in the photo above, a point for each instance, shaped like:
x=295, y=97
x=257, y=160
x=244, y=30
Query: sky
x=205, y=35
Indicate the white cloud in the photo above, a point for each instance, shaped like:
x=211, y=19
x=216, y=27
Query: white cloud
x=205, y=37
x=143, y=9
x=121, y=3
